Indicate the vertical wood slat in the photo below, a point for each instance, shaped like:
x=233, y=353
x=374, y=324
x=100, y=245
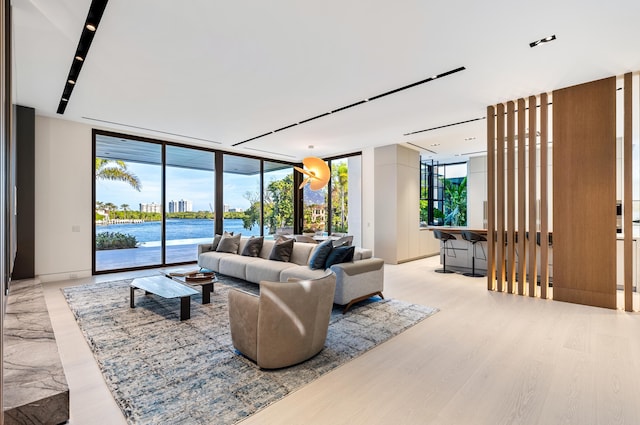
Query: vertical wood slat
x=511, y=192
x=544, y=196
x=491, y=199
x=500, y=262
x=627, y=198
x=522, y=199
x=533, y=198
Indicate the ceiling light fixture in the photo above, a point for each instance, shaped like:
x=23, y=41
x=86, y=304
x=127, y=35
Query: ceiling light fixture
x=369, y=99
x=542, y=40
x=96, y=9
x=444, y=126
x=317, y=173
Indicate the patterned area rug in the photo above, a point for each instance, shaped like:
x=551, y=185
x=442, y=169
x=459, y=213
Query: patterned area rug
x=163, y=371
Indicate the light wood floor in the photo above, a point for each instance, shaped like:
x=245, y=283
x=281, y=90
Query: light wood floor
x=485, y=358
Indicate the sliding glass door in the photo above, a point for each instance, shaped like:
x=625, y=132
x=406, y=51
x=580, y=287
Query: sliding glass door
x=128, y=203
x=189, y=212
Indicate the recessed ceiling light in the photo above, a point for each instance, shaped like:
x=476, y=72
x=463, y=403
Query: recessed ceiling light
x=91, y=27
x=71, y=82
x=467, y=139
x=64, y=99
x=434, y=144
x=79, y=58
x=542, y=40
x=434, y=77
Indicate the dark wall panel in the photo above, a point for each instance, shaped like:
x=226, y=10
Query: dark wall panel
x=25, y=173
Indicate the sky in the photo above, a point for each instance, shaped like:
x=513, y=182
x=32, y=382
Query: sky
x=188, y=184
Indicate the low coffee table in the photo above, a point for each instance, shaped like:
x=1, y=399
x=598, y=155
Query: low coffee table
x=206, y=284
x=165, y=288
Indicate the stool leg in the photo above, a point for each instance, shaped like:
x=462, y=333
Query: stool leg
x=473, y=263
x=444, y=260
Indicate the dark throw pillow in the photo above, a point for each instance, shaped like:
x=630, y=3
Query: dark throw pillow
x=320, y=255
x=229, y=243
x=253, y=246
x=282, y=250
x=341, y=254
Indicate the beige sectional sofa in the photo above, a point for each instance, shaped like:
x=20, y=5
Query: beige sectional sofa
x=355, y=281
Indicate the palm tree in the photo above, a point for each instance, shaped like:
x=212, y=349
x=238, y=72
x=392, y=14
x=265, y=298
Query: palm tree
x=125, y=208
x=118, y=172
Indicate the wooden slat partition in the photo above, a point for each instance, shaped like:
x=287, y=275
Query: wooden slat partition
x=627, y=198
x=500, y=261
x=491, y=198
x=511, y=193
x=584, y=194
x=522, y=198
x=544, y=196
x=533, y=198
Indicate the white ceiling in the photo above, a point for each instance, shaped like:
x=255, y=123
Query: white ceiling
x=229, y=71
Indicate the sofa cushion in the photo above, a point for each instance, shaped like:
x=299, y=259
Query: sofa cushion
x=281, y=251
x=320, y=255
x=302, y=273
x=253, y=246
x=235, y=265
x=301, y=253
x=211, y=260
x=362, y=254
x=341, y=254
x=229, y=243
x=266, y=270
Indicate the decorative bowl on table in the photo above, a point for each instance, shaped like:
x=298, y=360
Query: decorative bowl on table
x=199, y=276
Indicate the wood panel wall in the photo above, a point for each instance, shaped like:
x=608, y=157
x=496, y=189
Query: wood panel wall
x=584, y=194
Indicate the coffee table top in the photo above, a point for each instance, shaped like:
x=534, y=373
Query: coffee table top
x=166, y=288
x=180, y=276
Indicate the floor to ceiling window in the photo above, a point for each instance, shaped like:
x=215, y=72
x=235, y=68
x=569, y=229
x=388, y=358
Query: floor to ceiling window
x=189, y=211
x=153, y=202
x=278, y=198
x=241, y=195
x=446, y=191
x=335, y=209
x=128, y=203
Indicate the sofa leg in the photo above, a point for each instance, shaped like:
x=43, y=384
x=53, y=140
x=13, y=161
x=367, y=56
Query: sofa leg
x=362, y=298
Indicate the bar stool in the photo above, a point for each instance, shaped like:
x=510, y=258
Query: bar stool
x=473, y=238
x=444, y=237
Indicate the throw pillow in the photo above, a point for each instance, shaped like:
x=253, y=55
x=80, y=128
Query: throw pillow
x=216, y=241
x=229, y=243
x=343, y=241
x=253, y=246
x=282, y=250
x=320, y=255
x=341, y=254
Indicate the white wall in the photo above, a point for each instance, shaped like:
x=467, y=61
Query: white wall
x=477, y=188
x=476, y=191
x=398, y=237
x=63, y=216
x=368, y=199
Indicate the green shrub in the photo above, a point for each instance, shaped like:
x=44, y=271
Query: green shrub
x=115, y=240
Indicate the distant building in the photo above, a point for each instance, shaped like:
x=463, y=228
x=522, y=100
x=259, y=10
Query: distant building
x=235, y=210
x=152, y=208
x=180, y=206
x=225, y=208
x=185, y=206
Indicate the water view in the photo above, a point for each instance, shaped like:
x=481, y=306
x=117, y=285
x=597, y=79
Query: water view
x=178, y=231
